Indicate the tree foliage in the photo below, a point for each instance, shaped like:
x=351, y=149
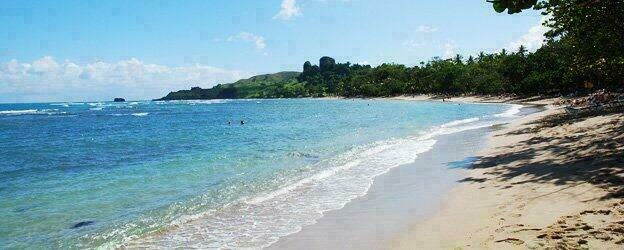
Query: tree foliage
x=516, y=72
x=590, y=31
x=512, y=6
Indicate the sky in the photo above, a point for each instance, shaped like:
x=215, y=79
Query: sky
x=96, y=50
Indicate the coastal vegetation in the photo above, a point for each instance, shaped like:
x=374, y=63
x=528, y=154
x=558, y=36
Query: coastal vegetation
x=282, y=84
x=583, y=51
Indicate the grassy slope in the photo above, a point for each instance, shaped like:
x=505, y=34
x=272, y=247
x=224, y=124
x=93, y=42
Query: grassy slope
x=255, y=87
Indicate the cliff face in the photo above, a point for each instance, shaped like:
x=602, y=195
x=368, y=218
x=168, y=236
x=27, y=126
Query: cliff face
x=255, y=87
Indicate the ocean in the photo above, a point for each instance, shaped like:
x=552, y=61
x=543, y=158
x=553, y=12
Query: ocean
x=163, y=174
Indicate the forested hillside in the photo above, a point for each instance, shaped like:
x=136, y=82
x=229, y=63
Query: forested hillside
x=282, y=84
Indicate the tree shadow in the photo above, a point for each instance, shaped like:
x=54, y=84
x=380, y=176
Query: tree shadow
x=564, y=150
x=531, y=98
x=560, y=119
x=471, y=179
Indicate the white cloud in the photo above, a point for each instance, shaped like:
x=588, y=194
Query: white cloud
x=427, y=29
x=257, y=40
x=288, y=10
x=47, y=80
x=45, y=65
x=533, y=39
x=449, y=49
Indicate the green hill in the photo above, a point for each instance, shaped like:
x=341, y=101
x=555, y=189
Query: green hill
x=278, y=85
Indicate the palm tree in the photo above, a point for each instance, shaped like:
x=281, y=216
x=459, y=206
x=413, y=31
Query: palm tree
x=522, y=50
x=458, y=59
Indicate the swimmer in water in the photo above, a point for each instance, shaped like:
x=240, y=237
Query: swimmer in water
x=242, y=122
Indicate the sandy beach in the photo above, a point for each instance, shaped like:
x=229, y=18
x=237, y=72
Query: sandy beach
x=547, y=180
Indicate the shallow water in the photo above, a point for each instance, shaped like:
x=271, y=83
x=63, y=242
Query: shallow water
x=157, y=174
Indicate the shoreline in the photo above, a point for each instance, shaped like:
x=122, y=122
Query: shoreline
x=369, y=221
x=543, y=181
x=410, y=192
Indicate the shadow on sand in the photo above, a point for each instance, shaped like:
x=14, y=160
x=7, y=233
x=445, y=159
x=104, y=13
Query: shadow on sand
x=574, y=154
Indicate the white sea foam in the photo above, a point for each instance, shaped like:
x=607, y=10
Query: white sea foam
x=60, y=104
x=96, y=104
x=19, y=112
x=511, y=112
x=31, y=112
x=193, y=102
x=132, y=114
x=271, y=215
x=460, y=122
x=67, y=104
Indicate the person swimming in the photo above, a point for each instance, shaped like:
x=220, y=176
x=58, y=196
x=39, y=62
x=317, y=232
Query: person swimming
x=242, y=122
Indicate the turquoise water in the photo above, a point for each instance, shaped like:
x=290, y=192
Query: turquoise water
x=157, y=174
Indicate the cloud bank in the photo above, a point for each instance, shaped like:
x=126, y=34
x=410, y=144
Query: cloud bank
x=45, y=79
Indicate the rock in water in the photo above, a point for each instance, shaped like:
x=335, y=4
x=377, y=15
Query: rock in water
x=119, y=99
x=83, y=223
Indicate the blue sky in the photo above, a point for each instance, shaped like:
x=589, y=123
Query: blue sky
x=96, y=50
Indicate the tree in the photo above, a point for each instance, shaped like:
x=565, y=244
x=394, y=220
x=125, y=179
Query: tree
x=458, y=59
x=593, y=31
x=522, y=50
